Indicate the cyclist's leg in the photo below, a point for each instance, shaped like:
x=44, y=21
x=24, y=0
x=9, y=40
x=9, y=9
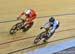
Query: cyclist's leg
x=29, y=21
x=26, y=23
x=51, y=33
x=48, y=35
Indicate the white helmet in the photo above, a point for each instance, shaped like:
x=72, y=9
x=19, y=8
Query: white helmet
x=27, y=11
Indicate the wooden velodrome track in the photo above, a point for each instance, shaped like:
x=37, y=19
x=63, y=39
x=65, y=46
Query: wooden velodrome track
x=9, y=9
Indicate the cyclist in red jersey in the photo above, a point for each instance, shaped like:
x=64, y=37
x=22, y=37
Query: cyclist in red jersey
x=30, y=16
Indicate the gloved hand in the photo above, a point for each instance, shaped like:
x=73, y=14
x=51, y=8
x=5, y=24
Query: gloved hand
x=41, y=27
x=18, y=18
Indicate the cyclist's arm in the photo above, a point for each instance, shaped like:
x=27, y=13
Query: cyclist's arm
x=21, y=14
x=45, y=24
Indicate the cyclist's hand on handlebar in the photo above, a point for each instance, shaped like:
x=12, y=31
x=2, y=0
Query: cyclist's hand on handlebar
x=18, y=18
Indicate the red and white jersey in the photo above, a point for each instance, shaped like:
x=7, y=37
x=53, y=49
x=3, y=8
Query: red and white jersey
x=30, y=12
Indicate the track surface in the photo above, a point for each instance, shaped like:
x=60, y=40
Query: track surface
x=9, y=9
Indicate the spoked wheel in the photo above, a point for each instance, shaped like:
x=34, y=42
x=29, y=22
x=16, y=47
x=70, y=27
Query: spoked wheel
x=39, y=37
x=15, y=28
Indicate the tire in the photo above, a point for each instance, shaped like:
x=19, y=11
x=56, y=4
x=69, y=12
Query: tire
x=39, y=37
x=15, y=28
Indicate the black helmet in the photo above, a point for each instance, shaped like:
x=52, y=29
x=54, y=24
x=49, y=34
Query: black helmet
x=51, y=19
